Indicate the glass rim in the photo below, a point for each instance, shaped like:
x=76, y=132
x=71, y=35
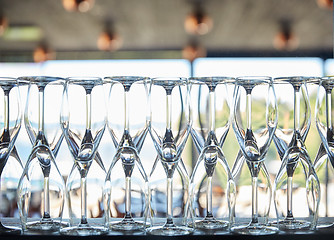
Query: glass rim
x=8, y=78
x=181, y=80
x=327, y=78
x=131, y=79
x=78, y=80
x=38, y=79
x=327, y=81
x=289, y=79
x=218, y=79
x=8, y=81
x=256, y=79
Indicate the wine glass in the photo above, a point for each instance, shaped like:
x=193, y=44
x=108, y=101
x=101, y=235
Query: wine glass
x=169, y=128
x=83, y=121
x=10, y=124
x=126, y=178
x=41, y=187
x=296, y=186
x=254, y=124
x=324, y=161
x=211, y=106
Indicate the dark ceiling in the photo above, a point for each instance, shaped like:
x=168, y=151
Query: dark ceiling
x=155, y=25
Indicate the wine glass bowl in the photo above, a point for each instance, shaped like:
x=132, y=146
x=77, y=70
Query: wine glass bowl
x=254, y=124
x=83, y=121
x=211, y=178
x=125, y=188
x=169, y=128
x=41, y=180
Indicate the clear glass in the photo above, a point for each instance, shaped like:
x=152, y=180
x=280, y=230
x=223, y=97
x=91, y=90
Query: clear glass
x=41, y=190
x=126, y=185
x=10, y=163
x=254, y=124
x=211, y=183
x=296, y=187
x=170, y=125
x=83, y=121
x=324, y=161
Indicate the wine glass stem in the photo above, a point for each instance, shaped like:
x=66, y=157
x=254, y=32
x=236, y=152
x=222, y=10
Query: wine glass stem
x=254, y=200
x=289, y=198
x=209, y=198
x=88, y=111
x=127, y=197
x=168, y=111
x=126, y=112
x=41, y=110
x=169, y=200
x=249, y=111
x=83, y=200
x=212, y=113
x=6, y=110
x=296, y=109
x=46, y=198
x=329, y=109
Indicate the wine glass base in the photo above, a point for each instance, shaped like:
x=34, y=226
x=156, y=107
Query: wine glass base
x=324, y=224
x=127, y=225
x=84, y=230
x=48, y=226
x=169, y=231
x=10, y=230
x=211, y=224
x=294, y=224
x=254, y=229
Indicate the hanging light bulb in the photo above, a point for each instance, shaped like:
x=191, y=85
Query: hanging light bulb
x=198, y=22
x=3, y=25
x=192, y=51
x=109, y=41
x=285, y=39
x=325, y=4
x=78, y=5
x=42, y=54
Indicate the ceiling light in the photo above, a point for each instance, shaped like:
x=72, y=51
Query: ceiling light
x=3, y=25
x=78, y=5
x=198, y=22
x=193, y=51
x=325, y=4
x=42, y=54
x=109, y=41
x=286, y=39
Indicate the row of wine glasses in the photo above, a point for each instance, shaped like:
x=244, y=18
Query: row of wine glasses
x=167, y=201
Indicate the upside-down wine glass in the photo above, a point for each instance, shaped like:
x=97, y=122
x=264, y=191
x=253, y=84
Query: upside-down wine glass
x=170, y=125
x=126, y=179
x=324, y=162
x=41, y=190
x=254, y=123
x=83, y=121
x=296, y=171
x=10, y=124
x=211, y=107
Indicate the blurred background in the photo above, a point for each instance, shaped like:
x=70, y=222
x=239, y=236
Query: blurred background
x=166, y=38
